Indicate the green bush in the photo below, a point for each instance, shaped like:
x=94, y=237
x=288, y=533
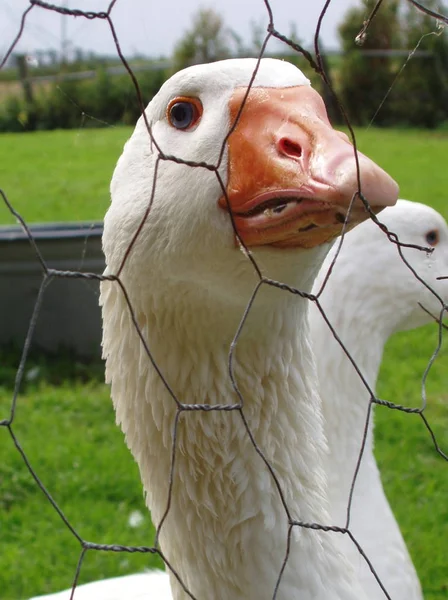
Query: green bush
x=407, y=90
x=365, y=79
x=420, y=95
x=105, y=100
x=13, y=115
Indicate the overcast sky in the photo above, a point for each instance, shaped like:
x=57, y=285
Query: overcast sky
x=152, y=27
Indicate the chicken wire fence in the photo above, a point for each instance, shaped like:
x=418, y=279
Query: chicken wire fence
x=49, y=274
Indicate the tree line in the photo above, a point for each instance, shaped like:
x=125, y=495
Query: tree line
x=395, y=74
x=399, y=75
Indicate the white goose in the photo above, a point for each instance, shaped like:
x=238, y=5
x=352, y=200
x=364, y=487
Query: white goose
x=289, y=178
x=367, y=300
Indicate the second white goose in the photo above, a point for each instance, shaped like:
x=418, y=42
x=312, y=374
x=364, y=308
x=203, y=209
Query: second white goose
x=367, y=299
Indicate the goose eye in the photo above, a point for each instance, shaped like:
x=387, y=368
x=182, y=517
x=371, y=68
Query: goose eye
x=184, y=113
x=432, y=237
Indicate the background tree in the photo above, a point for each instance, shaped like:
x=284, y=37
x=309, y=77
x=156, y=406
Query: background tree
x=208, y=40
x=394, y=88
x=365, y=71
x=419, y=96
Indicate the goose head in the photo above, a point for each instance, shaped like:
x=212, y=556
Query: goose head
x=378, y=288
x=284, y=176
x=417, y=224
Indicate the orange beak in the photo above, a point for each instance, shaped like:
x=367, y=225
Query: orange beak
x=291, y=176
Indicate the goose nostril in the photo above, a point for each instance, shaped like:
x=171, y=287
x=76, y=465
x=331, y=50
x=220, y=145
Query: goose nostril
x=290, y=148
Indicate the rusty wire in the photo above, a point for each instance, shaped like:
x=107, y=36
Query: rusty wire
x=316, y=63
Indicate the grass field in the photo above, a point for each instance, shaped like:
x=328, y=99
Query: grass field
x=65, y=422
x=59, y=175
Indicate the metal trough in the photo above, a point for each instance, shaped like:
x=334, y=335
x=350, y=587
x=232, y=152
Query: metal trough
x=69, y=317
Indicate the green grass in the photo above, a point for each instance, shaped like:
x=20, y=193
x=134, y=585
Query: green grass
x=414, y=475
x=59, y=175
x=66, y=427
x=65, y=422
x=416, y=160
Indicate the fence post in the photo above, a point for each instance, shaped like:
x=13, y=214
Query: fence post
x=22, y=66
